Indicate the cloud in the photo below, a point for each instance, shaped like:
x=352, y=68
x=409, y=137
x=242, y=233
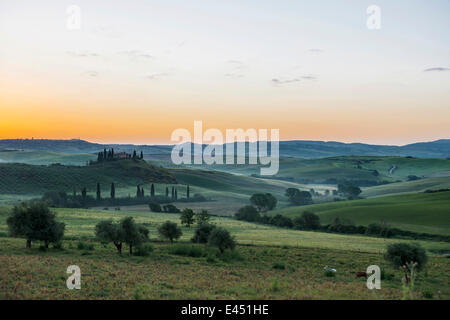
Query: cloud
x=136, y=54
x=436, y=69
x=157, y=76
x=90, y=74
x=83, y=54
x=278, y=81
x=234, y=75
x=281, y=81
x=315, y=50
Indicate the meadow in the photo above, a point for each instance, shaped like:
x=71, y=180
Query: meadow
x=268, y=263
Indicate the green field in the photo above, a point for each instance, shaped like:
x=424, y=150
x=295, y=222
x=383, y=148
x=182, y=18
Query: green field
x=415, y=186
x=45, y=157
x=269, y=263
x=425, y=212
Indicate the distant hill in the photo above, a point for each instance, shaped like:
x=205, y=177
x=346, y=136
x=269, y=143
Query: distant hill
x=31, y=179
x=296, y=148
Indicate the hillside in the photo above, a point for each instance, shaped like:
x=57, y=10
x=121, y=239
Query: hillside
x=422, y=212
x=360, y=170
x=296, y=148
x=28, y=179
x=415, y=186
x=39, y=157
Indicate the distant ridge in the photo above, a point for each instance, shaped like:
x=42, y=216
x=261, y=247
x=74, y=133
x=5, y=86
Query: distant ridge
x=294, y=148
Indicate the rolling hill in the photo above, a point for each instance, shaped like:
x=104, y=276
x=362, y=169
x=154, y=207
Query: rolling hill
x=422, y=212
x=41, y=157
x=29, y=179
x=296, y=148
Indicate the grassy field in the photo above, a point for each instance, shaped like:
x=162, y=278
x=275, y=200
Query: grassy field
x=423, y=212
x=362, y=170
x=407, y=187
x=38, y=157
x=269, y=263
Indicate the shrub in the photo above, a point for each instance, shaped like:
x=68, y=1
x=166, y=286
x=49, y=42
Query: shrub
x=400, y=254
x=85, y=246
x=170, y=208
x=307, y=221
x=187, y=251
x=144, y=250
x=221, y=239
x=279, y=266
x=329, y=274
x=202, y=233
x=154, y=207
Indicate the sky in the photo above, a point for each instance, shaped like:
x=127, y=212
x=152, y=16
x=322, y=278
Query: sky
x=135, y=71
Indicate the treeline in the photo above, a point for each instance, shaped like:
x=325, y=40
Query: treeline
x=109, y=155
x=310, y=221
x=63, y=200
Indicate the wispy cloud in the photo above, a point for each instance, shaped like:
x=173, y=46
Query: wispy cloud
x=90, y=74
x=157, y=76
x=82, y=54
x=136, y=54
x=315, y=50
x=278, y=81
x=436, y=69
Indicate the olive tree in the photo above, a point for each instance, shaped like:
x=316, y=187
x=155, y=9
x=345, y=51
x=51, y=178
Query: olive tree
x=34, y=221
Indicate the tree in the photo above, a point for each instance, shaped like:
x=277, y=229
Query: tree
x=108, y=231
x=134, y=154
x=142, y=155
x=173, y=193
x=170, y=230
x=248, y=213
x=138, y=192
x=349, y=191
x=176, y=194
x=202, y=217
x=155, y=207
x=297, y=197
x=202, y=233
x=34, y=221
x=308, y=221
x=263, y=202
x=221, y=239
x=187, y=217
x=84, y=193
x=167, y=192
x=152, y=190
x=113, y=191
x=187, y=192
x=402, y=254
x=134, y=234
x=99, y=193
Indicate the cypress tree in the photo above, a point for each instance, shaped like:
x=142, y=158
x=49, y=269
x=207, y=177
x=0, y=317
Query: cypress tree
x=167, y=192
x=142, y=155
x=104, y=154
x=113, y=191
x=187, y=192
x=176, y=194
x=83, y=193
x=134, y=154
x=173, y=193
x=138, y=192
x=152, y=190
x=99, y=194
